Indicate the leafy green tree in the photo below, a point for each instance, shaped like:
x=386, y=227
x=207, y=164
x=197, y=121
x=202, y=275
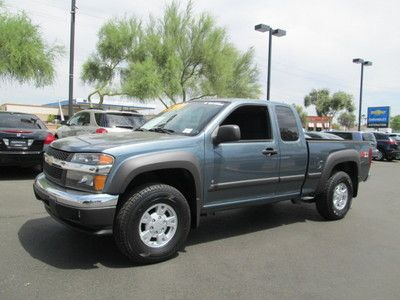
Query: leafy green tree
x=24, y=55
x=178, y=57
x=395, y=123
x=347, y=119
x=118, y=40
x=302, y=113
x=327, y=104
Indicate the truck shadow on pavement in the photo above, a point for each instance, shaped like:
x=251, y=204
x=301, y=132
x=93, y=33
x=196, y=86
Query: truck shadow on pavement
x=17, y=173
x=46, y=240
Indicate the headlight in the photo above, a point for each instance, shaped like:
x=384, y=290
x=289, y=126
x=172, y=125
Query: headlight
x=88, y=171
x=92, y=159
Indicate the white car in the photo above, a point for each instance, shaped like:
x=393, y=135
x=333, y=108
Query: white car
x=100, y=121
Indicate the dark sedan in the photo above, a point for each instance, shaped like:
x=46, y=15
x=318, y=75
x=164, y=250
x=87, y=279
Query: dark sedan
x=23, y=139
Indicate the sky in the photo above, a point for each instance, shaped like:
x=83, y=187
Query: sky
x=322, y=39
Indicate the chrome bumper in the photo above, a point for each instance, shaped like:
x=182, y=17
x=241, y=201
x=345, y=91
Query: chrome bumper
x=67, y=197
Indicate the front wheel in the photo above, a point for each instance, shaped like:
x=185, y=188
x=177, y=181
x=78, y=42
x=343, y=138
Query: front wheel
x=153, y=224
x=335, y=201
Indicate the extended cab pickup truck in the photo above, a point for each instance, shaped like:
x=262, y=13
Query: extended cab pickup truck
x=150, y=186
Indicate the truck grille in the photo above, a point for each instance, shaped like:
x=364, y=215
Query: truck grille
x=55, y=174
x=59, y=154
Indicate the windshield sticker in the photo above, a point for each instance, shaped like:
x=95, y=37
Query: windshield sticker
x=187, y=130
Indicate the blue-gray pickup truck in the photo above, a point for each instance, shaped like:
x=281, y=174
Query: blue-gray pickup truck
x=148, y=187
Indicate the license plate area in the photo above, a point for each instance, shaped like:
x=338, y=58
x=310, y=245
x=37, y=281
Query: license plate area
x=18, y=143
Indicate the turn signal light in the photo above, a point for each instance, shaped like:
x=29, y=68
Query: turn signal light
x=101, y=130
x=99, y=182
x=105, y=160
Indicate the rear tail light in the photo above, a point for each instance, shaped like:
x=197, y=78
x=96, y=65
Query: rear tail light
x=392, y=142
x=49, y=139
x=101, y=130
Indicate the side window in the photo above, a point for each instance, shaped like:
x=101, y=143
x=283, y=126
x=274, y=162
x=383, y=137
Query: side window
x=84, y=119
x=287, y=124
x=75, y=119
x=99, y=119
x=253, y=121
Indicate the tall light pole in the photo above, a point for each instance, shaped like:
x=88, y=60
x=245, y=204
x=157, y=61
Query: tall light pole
x=275, y=32
x=363, y=63
x=71, y=61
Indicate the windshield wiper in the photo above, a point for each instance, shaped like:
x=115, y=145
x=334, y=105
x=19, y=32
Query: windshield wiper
x=140, y=129
x=162, y=130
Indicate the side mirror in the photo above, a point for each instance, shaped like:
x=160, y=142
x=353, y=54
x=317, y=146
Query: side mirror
x=227, y=133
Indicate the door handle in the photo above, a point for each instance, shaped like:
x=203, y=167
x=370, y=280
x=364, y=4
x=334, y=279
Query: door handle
x=269, y=152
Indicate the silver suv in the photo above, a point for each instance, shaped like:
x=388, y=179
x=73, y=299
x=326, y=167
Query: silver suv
x=100, y=121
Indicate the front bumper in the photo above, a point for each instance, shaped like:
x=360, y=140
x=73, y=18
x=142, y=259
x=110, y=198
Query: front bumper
x=92, y=213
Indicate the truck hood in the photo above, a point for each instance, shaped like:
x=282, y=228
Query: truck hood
x=104, y=142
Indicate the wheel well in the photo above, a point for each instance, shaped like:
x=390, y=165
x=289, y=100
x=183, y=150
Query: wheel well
x=181, y=179
x=352, y=170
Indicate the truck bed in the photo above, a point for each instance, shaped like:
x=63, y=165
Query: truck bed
x=320, y=151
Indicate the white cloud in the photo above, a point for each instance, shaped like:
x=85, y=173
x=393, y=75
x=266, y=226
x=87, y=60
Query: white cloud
x=322, y=38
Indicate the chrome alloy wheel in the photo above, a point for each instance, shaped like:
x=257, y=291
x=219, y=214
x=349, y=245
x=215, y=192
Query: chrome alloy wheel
x=158, y=225
x=340, y=196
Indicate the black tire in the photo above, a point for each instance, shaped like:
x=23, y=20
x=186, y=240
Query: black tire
x=389, y=158
x=127, y=222
x=381, y=155
x=324, y=202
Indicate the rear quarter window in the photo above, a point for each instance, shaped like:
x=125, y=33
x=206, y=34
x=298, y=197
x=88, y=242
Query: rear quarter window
x=287, y=124
x=369, y=137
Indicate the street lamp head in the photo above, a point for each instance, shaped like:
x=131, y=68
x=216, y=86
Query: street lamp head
x=262, y=28
x=367, y=63
x=358, y=61
x=279, y=32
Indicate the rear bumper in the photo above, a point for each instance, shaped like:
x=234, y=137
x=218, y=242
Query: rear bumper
x=21, y=158
x=91, y=213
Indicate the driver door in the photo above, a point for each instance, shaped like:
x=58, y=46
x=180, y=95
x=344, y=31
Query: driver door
x=243, y=171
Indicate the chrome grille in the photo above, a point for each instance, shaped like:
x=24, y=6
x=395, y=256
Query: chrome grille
x=59, y=154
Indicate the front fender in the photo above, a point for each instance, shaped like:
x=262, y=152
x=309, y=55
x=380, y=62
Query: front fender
x=135, y=166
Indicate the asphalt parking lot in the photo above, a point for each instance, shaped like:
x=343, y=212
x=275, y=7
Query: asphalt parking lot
x=275, y=251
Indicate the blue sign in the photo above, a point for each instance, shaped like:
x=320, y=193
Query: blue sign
x=378, y=117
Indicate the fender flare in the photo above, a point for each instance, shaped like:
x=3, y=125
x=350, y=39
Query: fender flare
x=342, y=156
x=135, y=166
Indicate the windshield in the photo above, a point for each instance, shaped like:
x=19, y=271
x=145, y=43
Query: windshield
x=123, y=120
x=187, y=118
x=17, y=121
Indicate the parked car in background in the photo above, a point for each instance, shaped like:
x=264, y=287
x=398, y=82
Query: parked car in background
x=321, y=135
x=395, y=136
x=100, y=121
x=360, y=136
x=370, y=137
x=387, y=146
x=23, y=139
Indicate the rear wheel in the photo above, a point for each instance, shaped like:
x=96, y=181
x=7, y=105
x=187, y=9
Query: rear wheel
x=153, y=224
x=335, y=201
x=389, y=158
